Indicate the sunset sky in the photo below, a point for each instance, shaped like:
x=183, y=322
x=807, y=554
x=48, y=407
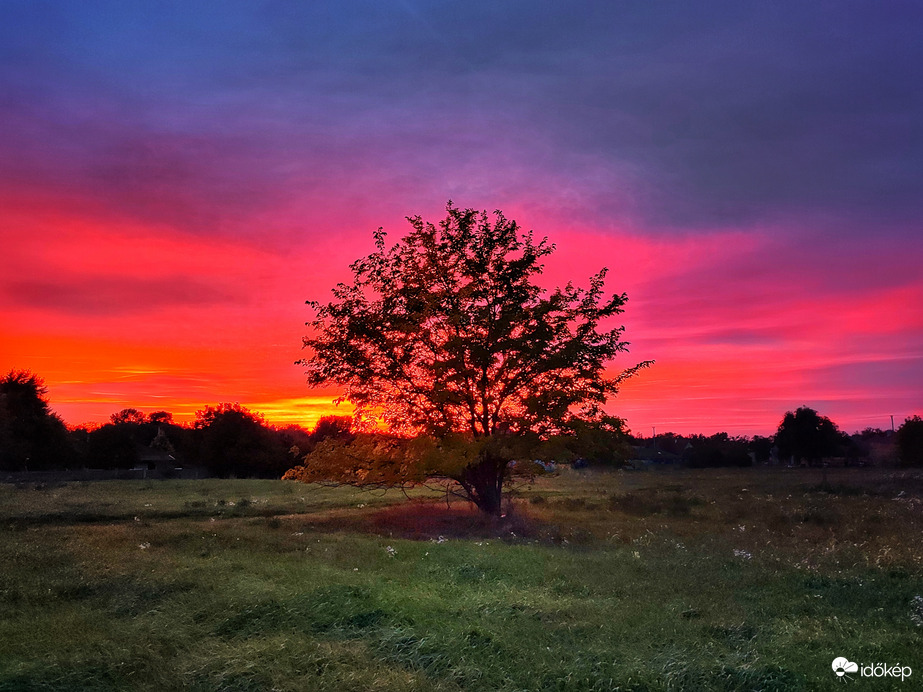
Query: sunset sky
x=176, y=179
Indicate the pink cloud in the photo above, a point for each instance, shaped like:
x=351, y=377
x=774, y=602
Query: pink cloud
x=118, y=312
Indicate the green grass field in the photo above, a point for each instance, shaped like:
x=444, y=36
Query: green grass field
x=688, y=580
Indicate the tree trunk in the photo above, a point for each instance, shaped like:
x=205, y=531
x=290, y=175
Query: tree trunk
x=483, y=483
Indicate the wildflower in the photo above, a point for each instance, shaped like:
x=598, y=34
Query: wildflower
x=742, y=553
x=916, y=614
x=636, y=555
x=144, y=546
x=391, y=551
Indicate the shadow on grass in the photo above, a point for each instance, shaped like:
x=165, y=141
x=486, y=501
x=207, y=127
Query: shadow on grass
x=428, y=520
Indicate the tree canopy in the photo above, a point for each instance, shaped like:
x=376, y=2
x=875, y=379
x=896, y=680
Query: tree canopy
x=231, y=440
x=128, y=415
x=447, y=333
x=910, y=441
x=805, y=434
x=31, y=435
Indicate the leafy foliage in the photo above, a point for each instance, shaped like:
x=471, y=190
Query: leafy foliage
x=336, y=427
x=805, y=434
x=31, y=435
x=718, y=450
x=122, y=442
x=128, y=415
x=234, y=441
x=447, y=333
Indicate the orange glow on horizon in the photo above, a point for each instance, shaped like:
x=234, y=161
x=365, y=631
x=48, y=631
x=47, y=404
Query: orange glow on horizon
x=116, y=313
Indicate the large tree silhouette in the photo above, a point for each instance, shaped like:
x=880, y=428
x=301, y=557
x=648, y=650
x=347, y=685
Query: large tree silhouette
x=805, y=434
x=446, y=334
x=231, y=440
x=32, y=437
x=910, y=441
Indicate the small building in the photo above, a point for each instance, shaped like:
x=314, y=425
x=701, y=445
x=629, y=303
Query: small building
x=156, y=463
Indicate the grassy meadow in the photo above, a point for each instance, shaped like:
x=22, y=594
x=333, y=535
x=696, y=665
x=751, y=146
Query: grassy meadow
x=752, y=579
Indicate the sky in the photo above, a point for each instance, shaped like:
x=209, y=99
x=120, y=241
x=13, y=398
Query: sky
x=177, y=178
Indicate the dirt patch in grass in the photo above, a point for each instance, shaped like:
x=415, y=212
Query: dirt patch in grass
x=429, y=520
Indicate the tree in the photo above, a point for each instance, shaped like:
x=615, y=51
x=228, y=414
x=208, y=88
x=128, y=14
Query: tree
x=234, y=441
x=910, y=441
x=339, y=427
x=761, y=448
x=31, y=436
x=805, y=434
x=600, y=442
x=128, y=415
x=718, y=450
x=115, y=445
x=446, y=334
x=160, y=418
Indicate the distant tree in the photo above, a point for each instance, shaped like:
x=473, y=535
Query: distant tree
x=234, y=441
x=670, y=442
x=32, y=437
x=447, y=335
x=873, y=445
x=128, y=415
x=873, y=434
x=718, y=450
x=160, y=418
x=602, y=442
x=910, y=441
x=120, y=442
x=297, y=440
x=761, y=448
x=115, y=445
x=79, y=442
x=337, y=427
x=805, y=434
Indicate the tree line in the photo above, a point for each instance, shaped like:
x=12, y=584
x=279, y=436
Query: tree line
x=803, y=437
x=231, y=440
x=223, y=440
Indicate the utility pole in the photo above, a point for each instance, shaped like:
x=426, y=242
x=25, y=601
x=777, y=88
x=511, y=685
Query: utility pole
x=892, y=422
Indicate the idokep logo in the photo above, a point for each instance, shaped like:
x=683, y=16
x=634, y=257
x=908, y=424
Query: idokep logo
x=843, y=667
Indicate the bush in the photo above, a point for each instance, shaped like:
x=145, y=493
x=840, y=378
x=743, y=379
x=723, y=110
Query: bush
x=910, y=442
